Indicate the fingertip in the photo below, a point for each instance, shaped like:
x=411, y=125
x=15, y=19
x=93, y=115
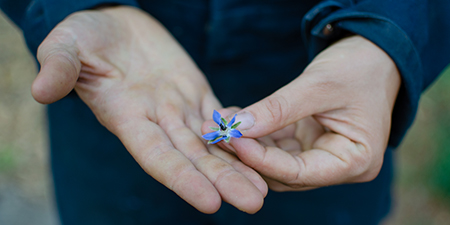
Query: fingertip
x=225, y=112
x=249, y=151
x=247, y=120
x=41, y=92
x=246, y=196
x=56, y=79
x=254, y=206
x=211, y=207
x=270, y=114
x=196, y=190
x=206, y=126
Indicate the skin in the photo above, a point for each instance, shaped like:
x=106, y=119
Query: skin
x=329, y=126
x=144, y=88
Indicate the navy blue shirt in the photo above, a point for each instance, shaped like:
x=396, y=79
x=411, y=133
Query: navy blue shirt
x=414, y=33
x=259, y=46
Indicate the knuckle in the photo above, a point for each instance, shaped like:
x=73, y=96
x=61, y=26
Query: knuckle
x=44, y=50
x=177, y=172
x=115, y=123
x=277, y=108
x=360, y=163
x=64, y=54
x=371, y=175
x=373, y=171
x=59, y=42
x=366, y=165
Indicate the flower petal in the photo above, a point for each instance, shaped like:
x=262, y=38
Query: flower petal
x=216, y=140
x=232, y=120
x=235, y=133
x=212, y=135
x=216, y=117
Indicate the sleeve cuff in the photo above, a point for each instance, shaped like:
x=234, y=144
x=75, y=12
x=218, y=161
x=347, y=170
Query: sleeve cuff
x=396, y=44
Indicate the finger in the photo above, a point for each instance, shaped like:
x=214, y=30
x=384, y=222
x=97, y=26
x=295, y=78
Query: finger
x=289, y=144
x=357, y=163
x=233, y=187
x=60, y=68
x=333, y=160
x=251, y=174
x=308, y=130
x=287, y=132
x=303, y=97
x=280, y=187
x=209, y=104
x=267, y=141
x=254, y=177
x=153, y=150
x=194, y=122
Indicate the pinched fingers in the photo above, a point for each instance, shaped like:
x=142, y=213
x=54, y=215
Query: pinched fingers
x=195, y=123
x=225, y=113
x=232, y=186
x=334, y=159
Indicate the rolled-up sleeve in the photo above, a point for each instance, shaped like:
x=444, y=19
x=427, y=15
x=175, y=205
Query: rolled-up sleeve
x=37, y=18
x=414, y=33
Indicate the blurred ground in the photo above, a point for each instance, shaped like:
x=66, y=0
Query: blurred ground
x=25, y=190
x=422, y=189
x=422, y=192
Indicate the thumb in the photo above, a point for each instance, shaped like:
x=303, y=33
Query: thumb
x=295, y=101
x=59, y=72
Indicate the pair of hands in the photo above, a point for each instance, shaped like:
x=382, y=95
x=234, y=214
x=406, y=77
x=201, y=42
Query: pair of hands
x=329, y=126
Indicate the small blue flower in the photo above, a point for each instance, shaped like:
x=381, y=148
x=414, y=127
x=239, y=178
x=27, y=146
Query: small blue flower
x=225, y=131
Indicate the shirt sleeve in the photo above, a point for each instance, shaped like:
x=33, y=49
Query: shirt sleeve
x=414, y=33
x=36, y=18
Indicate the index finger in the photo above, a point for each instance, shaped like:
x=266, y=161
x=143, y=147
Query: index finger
x=334, y=159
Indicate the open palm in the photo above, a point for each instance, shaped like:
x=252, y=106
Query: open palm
x=145, y=89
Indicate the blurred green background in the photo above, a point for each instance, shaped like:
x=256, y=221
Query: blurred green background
x=421, y=193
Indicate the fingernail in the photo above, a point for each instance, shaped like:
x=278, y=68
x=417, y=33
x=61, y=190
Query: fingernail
x=247, y=120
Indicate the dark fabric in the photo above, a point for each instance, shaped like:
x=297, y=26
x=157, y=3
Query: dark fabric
x=37, y=18
x=97, y=182
x=415, y=34
x=258, y=46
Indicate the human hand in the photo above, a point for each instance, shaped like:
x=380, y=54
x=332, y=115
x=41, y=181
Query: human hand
x=329, y=126
x=145, y=89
